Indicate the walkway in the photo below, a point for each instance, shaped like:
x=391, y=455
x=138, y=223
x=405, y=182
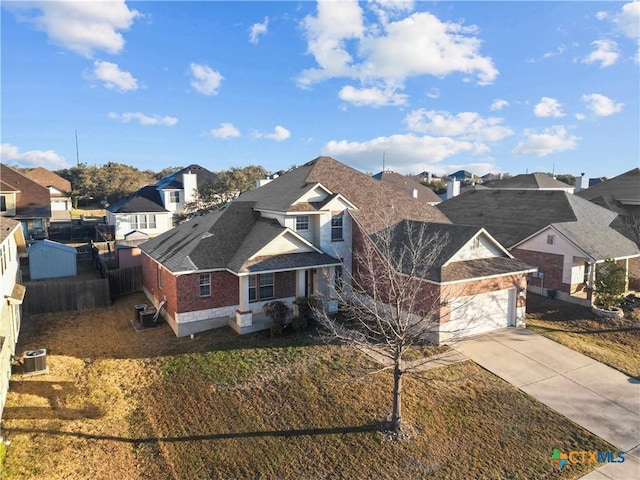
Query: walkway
x=595, y=396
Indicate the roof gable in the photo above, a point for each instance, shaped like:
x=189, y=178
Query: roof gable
x=173, y=181
x=47, y=178
x=32, y=199
x=145, y=200
x=48, y=244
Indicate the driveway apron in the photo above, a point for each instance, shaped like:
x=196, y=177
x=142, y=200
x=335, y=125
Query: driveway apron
x=599, y=398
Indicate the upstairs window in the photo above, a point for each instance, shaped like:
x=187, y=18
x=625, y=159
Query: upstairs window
x=302, y=223
x=336, y=227
x=3, y=203
x=550, y=239
x=205, y=284
x=174, y=197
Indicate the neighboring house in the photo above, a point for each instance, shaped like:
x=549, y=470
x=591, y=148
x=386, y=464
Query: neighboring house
x=49, y=259
x=12, y=245
x=530, y=181
x=410, y=186
x=25, y=200
x=151, y=209
x=128, y=249
x=60, y=190
x=463, y=176
x=563, y=234
x=295, y=237
x=621, y=194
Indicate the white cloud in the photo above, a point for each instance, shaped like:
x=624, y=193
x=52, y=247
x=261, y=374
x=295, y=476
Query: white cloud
x=405, y=152
x=389, y=52
x=226, y=130
x=82, y=27
x=605, y=52
x=205, y=80
x=373, y=97
x=279, y=134
x=548, y=107
x=581, y=116
x=627, y=21
x=433, y=93
x=112, y=77
x=601, y=105
x=499, y=104
x=32, y=158
x=469, y=126
x=143, y=119
x=258, y=29
x=551, y=140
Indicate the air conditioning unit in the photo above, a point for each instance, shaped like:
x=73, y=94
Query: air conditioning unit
x=35, y=362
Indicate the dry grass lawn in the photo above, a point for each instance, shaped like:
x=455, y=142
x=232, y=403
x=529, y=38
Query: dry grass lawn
x=126, y=405
x=615, y=342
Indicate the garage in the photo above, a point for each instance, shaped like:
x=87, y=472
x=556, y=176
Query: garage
x=480, y=313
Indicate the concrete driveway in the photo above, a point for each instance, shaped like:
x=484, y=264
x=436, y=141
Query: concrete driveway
x=595, y=396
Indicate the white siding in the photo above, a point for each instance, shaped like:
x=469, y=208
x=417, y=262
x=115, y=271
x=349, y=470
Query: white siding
x=286, y=243
x=484, y=249
x=164, y=222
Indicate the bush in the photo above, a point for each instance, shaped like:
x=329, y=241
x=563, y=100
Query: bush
x=299, y=323
x=610, y=284
x=277, y=311
x=306, y=306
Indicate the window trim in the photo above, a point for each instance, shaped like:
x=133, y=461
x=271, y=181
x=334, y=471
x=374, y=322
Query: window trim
x=337, y=228
x=255, y=285
x=207, y=283
x=175, y=193
x=159, y=270
x=300, y=219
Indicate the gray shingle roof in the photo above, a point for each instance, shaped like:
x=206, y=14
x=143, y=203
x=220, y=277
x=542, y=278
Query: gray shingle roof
x=289, y=261
x=378, y=203
x=145, y=200
x=617, y=194
x=449, y=239
x=225, y=238
x=408, y=184
x=174, y=180
x=529, y=181
x=514, y=215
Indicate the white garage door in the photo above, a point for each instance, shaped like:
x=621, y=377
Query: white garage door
x=480, y=313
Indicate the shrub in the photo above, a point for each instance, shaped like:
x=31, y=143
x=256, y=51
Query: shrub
x=610, y=284
x=277, y=311
x=306, y=306
x=299, y=323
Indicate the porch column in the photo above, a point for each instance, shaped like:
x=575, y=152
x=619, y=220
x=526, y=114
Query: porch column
x=329, y=287
x=244, y=316
x=592, y=281
x=300, y=283
x=626, y=275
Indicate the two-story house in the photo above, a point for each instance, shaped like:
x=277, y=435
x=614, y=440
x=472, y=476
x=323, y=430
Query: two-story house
x=12, y=245
x=296, y=237
x=25, y=200
x=151, y=209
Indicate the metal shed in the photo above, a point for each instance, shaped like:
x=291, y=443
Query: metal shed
x=49, y=259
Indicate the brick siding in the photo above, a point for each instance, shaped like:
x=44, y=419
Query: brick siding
x=550, y=264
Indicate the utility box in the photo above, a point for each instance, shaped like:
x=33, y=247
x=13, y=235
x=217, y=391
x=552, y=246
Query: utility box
x=138, y=309
x=146, y=318
x=34, y=362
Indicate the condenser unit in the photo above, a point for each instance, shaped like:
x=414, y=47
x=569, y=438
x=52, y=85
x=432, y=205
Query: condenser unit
x=35, y=362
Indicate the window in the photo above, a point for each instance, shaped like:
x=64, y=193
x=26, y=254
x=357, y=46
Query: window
x=3, y=203
x=3, y=259
x=587, y=273
x=302, y=223
x=261, y=287
x=174, y=197
x=550, y=239
x=159, y=277
x=142, y=221
x=336, y=227
x=476, y=243
x=205, y=284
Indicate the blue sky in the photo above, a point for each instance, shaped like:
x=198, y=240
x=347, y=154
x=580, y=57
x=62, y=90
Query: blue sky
x=436, y=86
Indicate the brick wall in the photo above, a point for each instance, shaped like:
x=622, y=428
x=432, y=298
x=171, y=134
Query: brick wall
x=285, y=284
x=150, y=284
x=224, y=292
x=549, y=263
x=634, y=274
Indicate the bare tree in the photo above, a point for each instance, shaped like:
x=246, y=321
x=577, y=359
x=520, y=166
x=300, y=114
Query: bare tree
x=390, y=302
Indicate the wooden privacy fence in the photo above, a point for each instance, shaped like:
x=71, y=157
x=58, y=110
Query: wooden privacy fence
x=62, y=296
x=125, y=280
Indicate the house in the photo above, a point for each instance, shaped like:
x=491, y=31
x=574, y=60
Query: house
x=151, y=209
x=463, y=176
x=296, y=236
x=49, y=259
x=12, y=245
x=410, y=186
x=564, y=235
x=25, y=200
x=128, y=250
x=60, y=190
x=530, y=181
x=621, y=194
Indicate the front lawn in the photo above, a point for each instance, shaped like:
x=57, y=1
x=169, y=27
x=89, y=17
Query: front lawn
x=120, y=404
x=615, y=342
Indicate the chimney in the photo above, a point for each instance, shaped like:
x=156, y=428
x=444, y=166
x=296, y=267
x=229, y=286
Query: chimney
x=453, y=188
x=414, y=193
x=190, y=186
x=582, y=183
